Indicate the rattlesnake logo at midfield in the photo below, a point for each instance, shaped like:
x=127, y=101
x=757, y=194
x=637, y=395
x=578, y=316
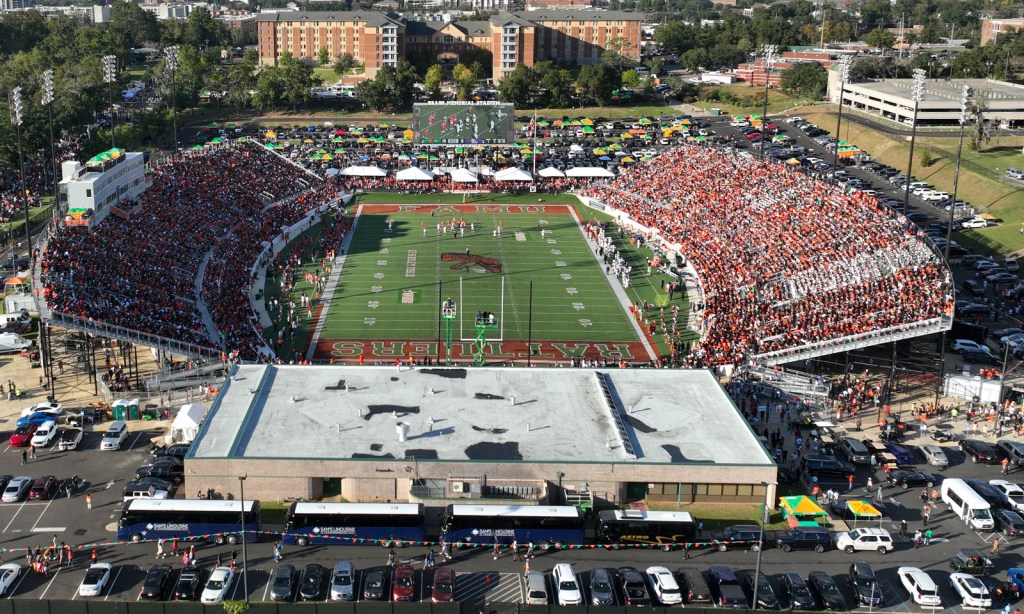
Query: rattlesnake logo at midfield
x=464, y=261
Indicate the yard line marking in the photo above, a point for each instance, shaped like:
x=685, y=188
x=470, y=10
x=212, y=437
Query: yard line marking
x=110, y=589
x=50, y=583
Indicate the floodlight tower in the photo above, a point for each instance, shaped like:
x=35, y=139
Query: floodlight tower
x=448, y=312
x=16, y=120
x=485, y=320
x=769, y=55
x=844, y=76
x=172, y=54
x=47, y=102
x=917, y=94
x=109, y=77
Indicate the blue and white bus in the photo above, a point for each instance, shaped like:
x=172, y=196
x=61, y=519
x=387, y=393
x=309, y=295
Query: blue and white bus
x=545, y=526
x=389, y=524
x=217, y=521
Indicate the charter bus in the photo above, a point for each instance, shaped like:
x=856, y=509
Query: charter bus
x=217, y=521
x=389, y=524
x=635, y=527
x=545, y=526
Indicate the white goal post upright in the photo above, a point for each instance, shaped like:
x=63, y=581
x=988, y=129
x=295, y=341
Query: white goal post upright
x=472, y=313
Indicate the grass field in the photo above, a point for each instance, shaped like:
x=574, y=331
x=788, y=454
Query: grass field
x=387, y=300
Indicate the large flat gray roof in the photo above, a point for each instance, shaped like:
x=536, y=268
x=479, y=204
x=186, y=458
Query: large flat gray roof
x=558, y=415
x=947, y=91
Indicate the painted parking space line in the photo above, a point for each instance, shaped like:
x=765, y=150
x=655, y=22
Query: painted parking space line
x=491, y=586
x=266, y=588
x=50, y=583
x=41, y=514
x=110, y=588
x=21, y=507
x=14, y=589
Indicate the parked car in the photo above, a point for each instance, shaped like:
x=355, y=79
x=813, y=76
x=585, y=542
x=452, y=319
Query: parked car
x=602, y=587
x=43, y=488
x=634, y=589
x=70, y=439
x=1012, y=495
x=905, y=479
x=1009, y=522
x=920, y=586
x=9, y=572
x=373, y=586
x=403, y=583
x=935, y=455
x=818, y=539
x=797, y=592
x=343, y=582
x=664, y=585
x=695, y=586
x=282, y=587
x=157, y=583
x=96, y=579
x=726, y=586
x=44, y=434
x=22, y=436
x=443, y=588
x=759, y=589
x=971, y=561
x=902, y=454
x=312, y=582
x=865, y=585
x=979, y=451
x=972, y=591
x=878, y=540
x=217, y=586
x=827, y=591
x=190, y=581
x=17, y=489
x=742, y=536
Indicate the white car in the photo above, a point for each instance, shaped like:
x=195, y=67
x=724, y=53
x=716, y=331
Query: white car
x=935, y=455
x=1010, y=493
x=921, y=587
x=934, y=196
x=974, y=222
x=54, y=409
x=217, y=586
x=9, y=572
x=739, y=123
x=342, y=580
x=96, y=579
x=878, y=540
x=666, y=589
x=972, y=591
x=960, y=345
x=44, y=434
x=70, y=439
x=17, y=489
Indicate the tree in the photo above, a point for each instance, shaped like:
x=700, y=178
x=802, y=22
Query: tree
x=598, y=81
x=344, y=64
x=880, y=38
x=392, y=89
x=806, y=79
x=202, y=30
x=517, y=86
x=135, y=24
x=323, y=57
x=675, y=37
x=656, y=66
x=618, y=52
x=241, y=80
x=269, y=88
x=479, y=60
x=432, y=81
x=558, y=87
x=464, y=79
x=630, y=79
x=695, y=60
x=296, y=79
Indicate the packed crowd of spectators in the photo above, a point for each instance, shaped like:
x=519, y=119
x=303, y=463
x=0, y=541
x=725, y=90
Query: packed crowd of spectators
x=784, y=259
x=141, y=272
x=443, y=183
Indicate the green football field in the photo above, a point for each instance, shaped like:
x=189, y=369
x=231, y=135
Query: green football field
x=399, y=267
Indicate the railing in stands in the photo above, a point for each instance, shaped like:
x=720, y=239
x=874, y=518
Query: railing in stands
x=111, y=331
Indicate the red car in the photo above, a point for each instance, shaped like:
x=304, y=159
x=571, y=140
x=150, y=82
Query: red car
x=443, y=590
x=23, y=436
x=43, y=488
x=404, y=583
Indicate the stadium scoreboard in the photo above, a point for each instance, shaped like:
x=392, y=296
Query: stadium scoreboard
x=463, y=123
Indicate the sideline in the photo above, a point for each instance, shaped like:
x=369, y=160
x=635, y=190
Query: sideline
x=332, y=285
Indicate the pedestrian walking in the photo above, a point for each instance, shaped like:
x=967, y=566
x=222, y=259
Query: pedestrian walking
x=497, y=550
x=871, y=482
x=219, y=559
x=277, y=552
x=94, y=556
x=391, y=558
x=446, y=551
x=879, y=496
x=160, y=548
x=849, y=480
x=60, y=553
x=924, y=496
x=529, y=551
x=928, y=537
x=174, y=546
x=515, y=550
x=88, y=502
x=995, y=545
x=192, y=552
x=686, y=550
x=234, y=557
x=918, y=536
x=429, y=560
x=903, y=528
x=31, y=450
x=526, y=567
x=24, y=457
x=1006, y=466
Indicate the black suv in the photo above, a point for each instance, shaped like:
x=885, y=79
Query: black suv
x=740, y=536
x=634, y=589
x=827, y=590
x=805, y=538
x=864, y=584
x=761, y=591
x=817, y=464
x=979, y=451
x=727, y=589
x=795, y=589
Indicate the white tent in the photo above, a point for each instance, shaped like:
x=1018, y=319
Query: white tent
x=589, y=171
x=186, y=424
x=414, y=173
x=576, y=147
x=512, y=174
x=462, y=175
x=364, y=171
x=550, y=171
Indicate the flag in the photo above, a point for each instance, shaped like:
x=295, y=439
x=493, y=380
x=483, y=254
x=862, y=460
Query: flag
x=533, y=125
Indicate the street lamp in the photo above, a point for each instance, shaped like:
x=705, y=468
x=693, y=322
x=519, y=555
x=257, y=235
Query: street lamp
x=768, y=56
x=47, y=102
x=16, y=120
x=241, y=520
x=172, y=64
x=844, y=76
x=917, y=93
x=109, y=76
x=760, y=546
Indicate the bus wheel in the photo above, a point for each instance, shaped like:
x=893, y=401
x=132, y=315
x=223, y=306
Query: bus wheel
x=384, y=543
x=232, y=539
x=666, y=547
x=545, y=545
x=616, y=546
x=302, y=541
x=218, y=539
x=136, y=538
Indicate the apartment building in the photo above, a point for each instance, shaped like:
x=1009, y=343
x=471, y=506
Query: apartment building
x=991, y=28
x=575, y=37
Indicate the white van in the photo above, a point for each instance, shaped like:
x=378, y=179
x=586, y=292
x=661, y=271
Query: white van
x=567, y=587
x=967, y=504
x=19, y=321
x=116, y=433
x=920, y=585
x=536, y=589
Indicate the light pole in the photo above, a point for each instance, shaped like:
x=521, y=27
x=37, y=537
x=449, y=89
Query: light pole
x=172, y=64
x=844, y=76
x=16, y=119
x=768, y=56
x=241, y=520
x=917, y=93
x=48, y=103
x=109, y=76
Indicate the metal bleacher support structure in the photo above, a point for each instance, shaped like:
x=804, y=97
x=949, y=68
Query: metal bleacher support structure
x=854, y=342
x=110, y=331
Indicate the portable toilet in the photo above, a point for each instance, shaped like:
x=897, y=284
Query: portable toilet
x=133, y=410
x=716, y=112
x=120, y=409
